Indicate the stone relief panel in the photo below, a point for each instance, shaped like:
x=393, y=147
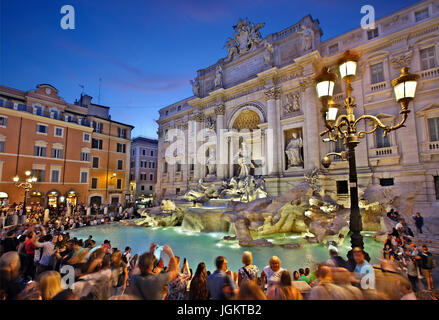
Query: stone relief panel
x=291, y=103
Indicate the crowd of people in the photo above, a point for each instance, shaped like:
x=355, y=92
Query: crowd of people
x=40, y=261
x=399, y=248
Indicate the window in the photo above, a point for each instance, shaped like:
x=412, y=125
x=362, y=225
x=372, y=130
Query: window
x=119, y=184
x=68, y=117
x=177, y=190
x=97, y=126
x=179, y=108
x=433, y=129
x=54, y=113
x=371, y=34
x=381, y=141
x=377, y=73
x=38, y=110
x=21, y=107
x=151, y=176
x=96, y=143
x=40, y=151
x=150, y=188
x=142, y=187
x=121, y=147
x=119, y=164
x=436, y=186
x=3, y=121
x=178, y=166
x=428, y=58
x=59, y=132
x=152, y=153
x=143, y=164
x=342, y=187
x=54, y=176
x=385, y=182
x=57, y=153
x=2, y=102
x=421, y=15
x=2, y=146
x=85, y=156
x=333, y=49
x=143, y=176
x=39, y=174
x=339, y=146
x=95, y=162
x=84, y=177
x=151, y=164
x=122, y=132
x=86, y=137
x=42, y=128
x=165, y=167
x=94, y=183
x=144, y=152
x=167, y=112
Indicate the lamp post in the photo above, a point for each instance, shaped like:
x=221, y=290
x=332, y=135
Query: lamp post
x=26, y=185
x=344, y=127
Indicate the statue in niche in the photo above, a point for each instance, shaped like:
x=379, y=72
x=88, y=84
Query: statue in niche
x=218, y=82
x=293, y=151
x=211, y=163
x=244, y=161
x=268, y=54
x=307, y=36
x=195, y=87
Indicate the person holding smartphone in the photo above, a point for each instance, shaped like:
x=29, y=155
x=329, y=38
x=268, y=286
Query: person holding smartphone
x=148, y=285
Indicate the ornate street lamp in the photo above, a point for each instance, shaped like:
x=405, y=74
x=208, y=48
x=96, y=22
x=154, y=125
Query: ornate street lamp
x=344, y=127
x=26, y=185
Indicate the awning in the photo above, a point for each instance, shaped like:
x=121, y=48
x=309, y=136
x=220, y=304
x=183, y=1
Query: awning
x=3, y=195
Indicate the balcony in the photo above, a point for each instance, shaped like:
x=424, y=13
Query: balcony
x=429, y=73
x=49, y=114
x=384, y=156
x=380, y=86
x=430, y=150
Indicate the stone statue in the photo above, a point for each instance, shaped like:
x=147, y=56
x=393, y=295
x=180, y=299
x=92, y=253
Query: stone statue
x=232, y=48
x=218, y=82
x=268, y=54
x=244, y=161
x=210, y=123
x=246, y=37
x=195, y=87
x=211, y=163
x=293, y=151
x=307, y=36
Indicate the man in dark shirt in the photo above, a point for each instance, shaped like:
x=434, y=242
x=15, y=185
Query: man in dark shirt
x=10, y=243
x=419, y=221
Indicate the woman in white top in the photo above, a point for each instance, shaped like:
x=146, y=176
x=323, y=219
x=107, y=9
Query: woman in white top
x=271, y=273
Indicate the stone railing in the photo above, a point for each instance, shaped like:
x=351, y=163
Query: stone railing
x=429, y=73
x=383, y=152
x=378, y=86
x=339, y=97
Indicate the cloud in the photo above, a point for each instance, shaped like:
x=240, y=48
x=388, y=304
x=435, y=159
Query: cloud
x=135, y=79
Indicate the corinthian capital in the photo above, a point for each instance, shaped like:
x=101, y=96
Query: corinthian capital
x=272, y=94
x=305, y=83
x=199, y=117
x=220, y=110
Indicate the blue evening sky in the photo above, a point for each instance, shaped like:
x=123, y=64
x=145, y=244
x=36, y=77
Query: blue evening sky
x=144, y=51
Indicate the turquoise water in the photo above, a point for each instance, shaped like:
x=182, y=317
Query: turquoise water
x=205, y=247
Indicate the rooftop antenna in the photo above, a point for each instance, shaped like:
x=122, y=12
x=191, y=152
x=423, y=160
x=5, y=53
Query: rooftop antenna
x=82, y=86
x=99, y=96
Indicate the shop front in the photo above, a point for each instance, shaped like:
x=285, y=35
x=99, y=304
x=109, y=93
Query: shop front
x=53, y=198
x=71, y=198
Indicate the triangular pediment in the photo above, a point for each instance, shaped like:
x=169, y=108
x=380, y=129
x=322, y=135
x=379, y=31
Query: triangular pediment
x=429, y=108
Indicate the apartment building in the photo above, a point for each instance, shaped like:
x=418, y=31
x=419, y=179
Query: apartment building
x=76, y=151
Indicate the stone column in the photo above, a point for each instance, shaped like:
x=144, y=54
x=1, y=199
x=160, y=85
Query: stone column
x=311, y=143
x=264, y=148
x=272, y=138
x=221, y=145
x=198, y=172
x=185, y=162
